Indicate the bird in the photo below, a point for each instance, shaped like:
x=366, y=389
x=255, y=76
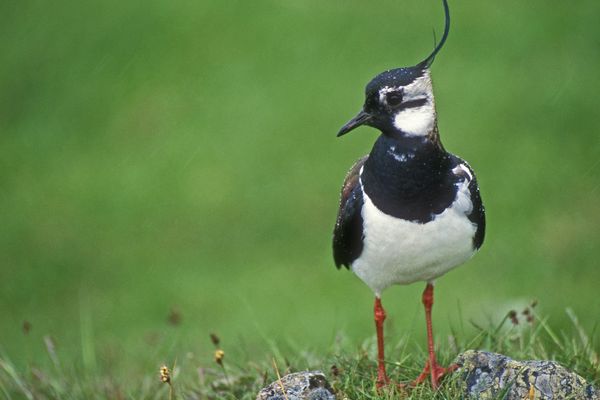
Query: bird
x=409, y=210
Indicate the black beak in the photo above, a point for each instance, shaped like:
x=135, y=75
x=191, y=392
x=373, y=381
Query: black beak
x=361, y=119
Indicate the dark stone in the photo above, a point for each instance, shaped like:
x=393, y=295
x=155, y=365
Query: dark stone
x=489, y=375
x=307, y=385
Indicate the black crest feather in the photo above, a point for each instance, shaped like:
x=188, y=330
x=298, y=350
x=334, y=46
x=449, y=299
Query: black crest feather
x=429, y=60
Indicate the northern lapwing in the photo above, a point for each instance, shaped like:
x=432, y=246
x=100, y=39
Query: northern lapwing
x=409, y=210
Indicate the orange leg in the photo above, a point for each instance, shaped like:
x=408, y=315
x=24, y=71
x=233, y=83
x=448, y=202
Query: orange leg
x=431, y=366
x=382, y=378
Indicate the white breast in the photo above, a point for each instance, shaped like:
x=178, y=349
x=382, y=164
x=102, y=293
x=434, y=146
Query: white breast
x=396, y=251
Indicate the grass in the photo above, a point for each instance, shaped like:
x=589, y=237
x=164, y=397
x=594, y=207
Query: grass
x=351, y=370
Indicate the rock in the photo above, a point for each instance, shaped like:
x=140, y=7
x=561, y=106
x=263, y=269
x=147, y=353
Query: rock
x=307, y=385
x=489, y=375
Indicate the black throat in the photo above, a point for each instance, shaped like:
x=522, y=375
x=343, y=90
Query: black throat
x=409, y=178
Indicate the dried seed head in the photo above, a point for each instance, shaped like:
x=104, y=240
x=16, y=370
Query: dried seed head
x=214, y=339
x=174, y=317
x=165, y=374
x=512, y=314
x=335, y=371
x=219, y=355
x=530, y=318
x=533, y=303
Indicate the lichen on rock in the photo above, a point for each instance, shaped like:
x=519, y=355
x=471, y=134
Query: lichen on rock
x=488, y=375
x=306, y=385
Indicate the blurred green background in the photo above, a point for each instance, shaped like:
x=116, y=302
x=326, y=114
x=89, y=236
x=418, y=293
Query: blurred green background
x=180, y=157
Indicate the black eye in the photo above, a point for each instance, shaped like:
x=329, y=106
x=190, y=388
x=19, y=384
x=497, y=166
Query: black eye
x=394, y=98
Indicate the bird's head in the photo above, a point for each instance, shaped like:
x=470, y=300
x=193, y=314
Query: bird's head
x=400, y=101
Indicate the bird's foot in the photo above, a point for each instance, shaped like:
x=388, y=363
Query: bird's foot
x=390, y=387
x=382, y=379
x=436, y=373
x=386, y=385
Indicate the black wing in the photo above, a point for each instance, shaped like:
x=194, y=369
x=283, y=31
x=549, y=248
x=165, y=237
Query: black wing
x=348, y=231
x=477, y=215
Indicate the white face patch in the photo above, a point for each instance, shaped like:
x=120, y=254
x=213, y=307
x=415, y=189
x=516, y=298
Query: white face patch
x=418, y=121
x=415, y=121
